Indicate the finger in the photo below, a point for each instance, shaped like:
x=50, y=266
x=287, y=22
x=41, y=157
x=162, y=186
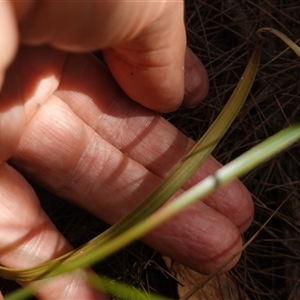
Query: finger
x=12, y=117
x=8, y=37
x=150, y=68
x=156, y=69
x=144, y=44
x=142, y=135
x=120, y=21
x=81, y=165
x=162, y=81
x=195, y=80
x=29, y=238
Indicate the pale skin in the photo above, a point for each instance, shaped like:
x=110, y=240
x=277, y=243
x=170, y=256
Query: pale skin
x=91, y=135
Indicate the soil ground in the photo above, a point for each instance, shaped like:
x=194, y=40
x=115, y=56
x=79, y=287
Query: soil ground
x=222, y=34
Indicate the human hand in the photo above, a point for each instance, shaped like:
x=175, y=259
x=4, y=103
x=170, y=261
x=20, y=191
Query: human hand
x=66, y=124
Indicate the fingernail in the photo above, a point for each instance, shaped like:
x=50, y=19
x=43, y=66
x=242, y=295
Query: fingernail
x=196, y=80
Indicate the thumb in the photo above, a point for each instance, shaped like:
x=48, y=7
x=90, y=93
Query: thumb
x=144, y=42
x=150, y=68
x=155, y=68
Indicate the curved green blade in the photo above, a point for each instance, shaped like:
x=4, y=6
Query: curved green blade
x=282, y=36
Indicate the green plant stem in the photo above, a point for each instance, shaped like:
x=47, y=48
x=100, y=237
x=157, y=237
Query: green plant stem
x=120, y=290
x=236, y=168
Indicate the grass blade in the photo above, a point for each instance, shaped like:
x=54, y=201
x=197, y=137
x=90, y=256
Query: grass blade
x=120, y=290
x=282, y=36
x=238, y=167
